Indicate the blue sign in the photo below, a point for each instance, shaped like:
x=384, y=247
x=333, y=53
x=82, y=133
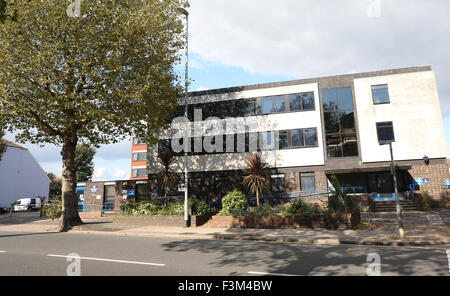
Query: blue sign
x=93, y=188
x=447, y=182
x=418, y=181
x=426, y=181
x=131, y=192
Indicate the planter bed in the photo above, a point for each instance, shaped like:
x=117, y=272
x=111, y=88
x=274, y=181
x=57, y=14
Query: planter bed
x=344, y=221
x=159, y=220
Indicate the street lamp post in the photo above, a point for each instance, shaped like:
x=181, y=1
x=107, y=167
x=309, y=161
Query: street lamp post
x=186, y=180
x=397, y=201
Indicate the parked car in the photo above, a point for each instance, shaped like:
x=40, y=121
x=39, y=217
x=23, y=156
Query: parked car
x=27, y=204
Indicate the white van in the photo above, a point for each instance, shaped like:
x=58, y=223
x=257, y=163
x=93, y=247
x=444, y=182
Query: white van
x=27, y=204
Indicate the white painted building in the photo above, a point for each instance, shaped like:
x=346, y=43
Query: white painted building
x=21, y=176
x=320, y=127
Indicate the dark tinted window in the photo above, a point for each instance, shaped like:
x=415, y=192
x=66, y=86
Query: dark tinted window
x=277, y=182
x=279, y=104
x=308, y=101
x=385, y=131
x=329, y=99
x=334, y=145
x=297, y=138
x=295, y=102
x=283, y=139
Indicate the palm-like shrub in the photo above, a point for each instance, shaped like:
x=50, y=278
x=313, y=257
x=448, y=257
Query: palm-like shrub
x=255, y=179
x=166, y=176
x=339, y=200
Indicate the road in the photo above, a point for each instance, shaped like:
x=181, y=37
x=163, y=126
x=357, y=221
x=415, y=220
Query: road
x=46, y=254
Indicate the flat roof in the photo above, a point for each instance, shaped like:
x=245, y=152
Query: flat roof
x=12, y=144
x=310, y=80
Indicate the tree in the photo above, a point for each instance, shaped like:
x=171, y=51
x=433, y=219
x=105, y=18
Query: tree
x=166, y=176
x=84, y=162
x=255, y=179
x=339, y=200
x=98, y=78
x=55, y=186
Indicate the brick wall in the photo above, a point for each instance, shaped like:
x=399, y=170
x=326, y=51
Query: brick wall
x=119, y=201
x=437, y=173
x=93, y=201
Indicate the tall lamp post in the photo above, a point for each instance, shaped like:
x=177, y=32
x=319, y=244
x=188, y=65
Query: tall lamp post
x=385, y=131
x=186, y=180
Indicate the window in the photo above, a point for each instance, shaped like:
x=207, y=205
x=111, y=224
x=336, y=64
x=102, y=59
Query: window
x=308, y=101
x=109, y=197
x=277, y=182
x=310, y=136
x=283, y=139
x=139, y=156
x=380, y=94
x=385, y=131
x=307, y=181
x=279, y=104
x=297, y=138
x=340, y=126
x=266, y=105
x=267, y=140
x=139, y=173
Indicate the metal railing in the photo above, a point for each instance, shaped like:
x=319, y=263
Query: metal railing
x=107, y=207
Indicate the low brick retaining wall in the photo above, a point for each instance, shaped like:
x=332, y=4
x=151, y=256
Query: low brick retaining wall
x=90, y=215
x=159, y=220
x=344, y=221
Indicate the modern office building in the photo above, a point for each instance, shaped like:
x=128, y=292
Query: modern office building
x=138, y=160
x=310, y=129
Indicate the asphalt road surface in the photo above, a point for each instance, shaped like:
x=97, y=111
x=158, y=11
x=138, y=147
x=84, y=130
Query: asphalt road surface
x=53, y=253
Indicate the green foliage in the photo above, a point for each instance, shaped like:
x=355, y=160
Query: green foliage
x=234, y=202
x=84, y=162
x=145, y=208
x=55, y=186
x=255, y=179
x=423, y=202
x=339, y=201
x=53, y=209
x=151, y=208
x=166, y=177
x=264, y=210
x=96, y=79
x=299, y=207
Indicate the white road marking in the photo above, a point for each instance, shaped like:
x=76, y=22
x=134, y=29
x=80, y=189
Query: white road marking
x=108, y=260
x=448, y=258
x=268, y=273
x=2, y=251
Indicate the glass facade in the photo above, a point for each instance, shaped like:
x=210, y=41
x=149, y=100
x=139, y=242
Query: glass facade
x=263, y=141
x=340, y=128
x=385, y=132
x=251, y=107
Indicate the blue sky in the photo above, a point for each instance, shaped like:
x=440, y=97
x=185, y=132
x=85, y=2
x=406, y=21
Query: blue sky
x=234, y=43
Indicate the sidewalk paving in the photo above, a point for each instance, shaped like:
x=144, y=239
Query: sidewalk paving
x=386, y=233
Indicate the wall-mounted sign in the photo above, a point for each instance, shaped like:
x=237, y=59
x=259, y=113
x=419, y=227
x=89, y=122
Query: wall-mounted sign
x=124, y=194
x=132, y=192
x=447, y=182
x=93, y=188
x=181, y=188
x=99, y=197
x=421, y=181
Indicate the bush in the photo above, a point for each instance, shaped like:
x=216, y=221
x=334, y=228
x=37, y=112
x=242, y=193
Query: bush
x=53, y=210
x=339, y=201
x=299, y=207
x=233, y=203
x=199, y=207
x=145, y=208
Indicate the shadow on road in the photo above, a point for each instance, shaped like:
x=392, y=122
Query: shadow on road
x=316, y=259
x=27, y=234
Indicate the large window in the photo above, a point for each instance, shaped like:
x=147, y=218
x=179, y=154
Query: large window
x=385, y=132
x=380, y=94
x=340, y=128
x=137, y=141
x=307, y=181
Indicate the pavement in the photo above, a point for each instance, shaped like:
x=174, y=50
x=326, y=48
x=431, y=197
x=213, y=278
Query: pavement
x=421, y=229
x=77, y=253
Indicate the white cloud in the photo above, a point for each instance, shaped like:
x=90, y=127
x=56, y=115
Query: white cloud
x=119, y=174
x=99, y=173
x=312, y=38
x=201, y=88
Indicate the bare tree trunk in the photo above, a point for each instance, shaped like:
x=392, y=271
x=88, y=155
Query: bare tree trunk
x=257, y=199
x=70, y=216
